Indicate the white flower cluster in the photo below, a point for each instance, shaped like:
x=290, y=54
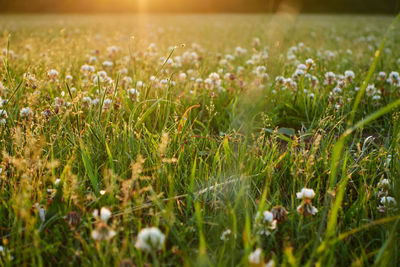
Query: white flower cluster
x=150, y=239
x=306, y=208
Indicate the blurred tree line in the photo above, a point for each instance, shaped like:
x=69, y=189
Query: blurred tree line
x=201, y=6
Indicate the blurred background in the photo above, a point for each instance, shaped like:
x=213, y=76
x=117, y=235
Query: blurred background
x=200, y=6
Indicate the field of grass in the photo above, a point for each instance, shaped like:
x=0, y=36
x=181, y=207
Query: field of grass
x=199, y=140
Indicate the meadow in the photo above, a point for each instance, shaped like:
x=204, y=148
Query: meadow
x=199, y=140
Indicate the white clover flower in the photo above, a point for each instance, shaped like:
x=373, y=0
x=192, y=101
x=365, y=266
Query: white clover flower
x=337, y=90
x=388, y=201
x=133, y=93
x=108, y=64
x=57, y=181
x=225, y=234
x=112, y=50
x=105, y=214
x=381, y=76
x=306, y=208
x=182, y=76
x=376, y=97
x=330, y=77
x=95, y=101
x=306, y=193
x=52, y=74
x=86, y=69
x=214, y=76
x=309, y=62
x=394, y=78
x=86, y=101
x=26, y=112
x=302, y=67
x=139, y=84
x=240, y=51
x=102, y=232
x=3, y=114
x=349, y=75
x=370, y=90
x=150, y=239
x=298, y=73
x=268, y=216
x=280, y=80
x=68, y=77
x=107, y=103
x=384, y=183
x=256, y=257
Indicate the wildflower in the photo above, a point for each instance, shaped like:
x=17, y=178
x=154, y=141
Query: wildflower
x=182, y=76
x=108, y=64
x=256, y=257
x=337, y=90
x=105, y=214
x=384, y=183
x=133, y=93
x=330, y=77
x=52, y=75
x=3, y=116
x=47, y=113
x=107, y=103
x=26, y=112
x=150, y=239
x=102, y=232
x=381, y=76
x=68, y=78
x=388, y=201
x=349, y=76
x=112, y=50
x=376, y=97
x=314, y=81
x=309, y=63
x=305, y=193
x=394, y=78
x=260, y=70
x=86, y=101
x=240, y=51
x=370, y=91
x=87, y=69
x=306, y=208
x=298, y=73
x=265, y=222
x=225, y=234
